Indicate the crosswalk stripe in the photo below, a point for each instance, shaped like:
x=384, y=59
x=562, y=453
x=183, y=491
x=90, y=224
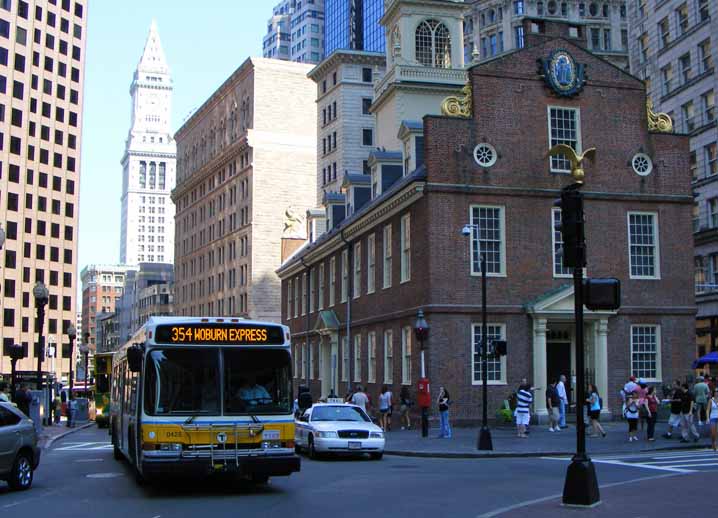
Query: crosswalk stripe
x=696, y=465
x=642, y=465
x=77, y=446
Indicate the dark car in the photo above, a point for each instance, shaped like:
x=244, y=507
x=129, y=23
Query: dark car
x=19, y=454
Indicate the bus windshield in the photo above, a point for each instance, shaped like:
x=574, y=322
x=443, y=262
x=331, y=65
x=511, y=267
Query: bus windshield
x=188, y=382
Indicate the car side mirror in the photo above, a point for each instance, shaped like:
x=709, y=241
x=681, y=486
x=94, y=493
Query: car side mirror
x=134, y=358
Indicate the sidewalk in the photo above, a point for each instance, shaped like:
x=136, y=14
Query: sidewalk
x=50, y=434
x=540, y=442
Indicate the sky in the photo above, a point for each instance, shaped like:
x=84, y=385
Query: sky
x=203, y=47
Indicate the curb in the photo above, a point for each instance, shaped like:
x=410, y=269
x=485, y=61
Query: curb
x=532, y=454
x=51, y=440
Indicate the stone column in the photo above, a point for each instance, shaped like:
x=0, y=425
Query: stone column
x=539, y=361
x=600, y=352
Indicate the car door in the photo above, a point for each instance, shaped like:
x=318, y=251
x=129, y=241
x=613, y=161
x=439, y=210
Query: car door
x=9, y=438
x=304, y=428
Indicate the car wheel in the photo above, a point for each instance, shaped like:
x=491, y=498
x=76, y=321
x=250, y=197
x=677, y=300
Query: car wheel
x=313, y=453
x=376, y=456
x=21, y=474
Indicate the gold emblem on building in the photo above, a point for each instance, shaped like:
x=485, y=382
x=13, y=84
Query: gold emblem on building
x=576, y=160
x=660, y=122
x=458, y=105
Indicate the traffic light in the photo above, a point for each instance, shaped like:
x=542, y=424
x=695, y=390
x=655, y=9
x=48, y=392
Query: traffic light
x=571, y=227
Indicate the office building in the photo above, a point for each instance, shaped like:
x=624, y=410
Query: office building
x=354, y=25
x=148, y=290
x=295, y=32
x=42, y=57
x=148, y=164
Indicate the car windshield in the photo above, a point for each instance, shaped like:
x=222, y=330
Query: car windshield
x=187, y=381
x=339, y=413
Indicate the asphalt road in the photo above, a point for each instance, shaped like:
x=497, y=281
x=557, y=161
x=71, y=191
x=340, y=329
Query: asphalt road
x=78, y=477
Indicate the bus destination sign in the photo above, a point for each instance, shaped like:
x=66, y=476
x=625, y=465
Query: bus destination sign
x=219, y=334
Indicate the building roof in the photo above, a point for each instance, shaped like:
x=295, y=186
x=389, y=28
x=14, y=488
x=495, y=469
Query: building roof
x=340, y=56
x=153, y=58
x=356, y=179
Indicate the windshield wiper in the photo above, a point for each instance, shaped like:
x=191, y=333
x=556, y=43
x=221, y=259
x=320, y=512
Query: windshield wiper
x=254, y=419
x=190, y=419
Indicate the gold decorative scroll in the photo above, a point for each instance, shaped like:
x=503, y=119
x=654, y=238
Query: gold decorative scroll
x=658, y=121
x=458, y=106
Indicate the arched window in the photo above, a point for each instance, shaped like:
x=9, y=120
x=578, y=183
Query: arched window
x=433, y=44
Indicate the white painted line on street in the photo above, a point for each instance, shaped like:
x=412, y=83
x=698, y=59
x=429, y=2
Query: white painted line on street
x=103, y=447
x=76, y=446
x=89, y=460
x=520, y=505
x=696, y=465
x=641, y=465
x=26, y=500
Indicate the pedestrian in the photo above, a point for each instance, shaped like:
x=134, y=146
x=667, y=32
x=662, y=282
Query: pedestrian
x=385, y=408
x=405, y=403
x=553, y=402
x=563, y=403
x=674, y=421
x=444, y=401
x=594, y=410
x=651, y=405
x=3, y=392
x=57, y=408
x=688, y=427
x=360, y=399
x=23, y=398
x=642, y=391
x=701, y=395
x=631, y=415
x=524, y=398
x=713, y=417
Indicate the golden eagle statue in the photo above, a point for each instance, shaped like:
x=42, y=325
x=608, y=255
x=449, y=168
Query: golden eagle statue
x=576, y=160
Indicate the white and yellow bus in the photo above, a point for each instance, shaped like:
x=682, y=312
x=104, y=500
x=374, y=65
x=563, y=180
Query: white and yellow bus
x=199, y=396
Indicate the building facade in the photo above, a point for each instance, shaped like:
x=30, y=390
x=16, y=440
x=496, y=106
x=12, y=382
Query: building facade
x=354, y=25
x=351, y=298
x=102, y=287
x=296, y=32
x=673, y=45
x=148, y=165
x=148, y=290
x=496, y=26
x=345, y=124
x=247, y=170
x=42, y=57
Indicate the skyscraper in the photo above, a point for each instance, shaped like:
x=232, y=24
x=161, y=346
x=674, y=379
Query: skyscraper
x=295, y=32
x=42, y=54
x=148, y=164
x=354, y=25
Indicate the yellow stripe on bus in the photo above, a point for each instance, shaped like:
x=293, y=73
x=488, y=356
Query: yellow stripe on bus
x=172, y=433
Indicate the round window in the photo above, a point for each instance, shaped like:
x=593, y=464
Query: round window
x=485, y=155
x=642, y=164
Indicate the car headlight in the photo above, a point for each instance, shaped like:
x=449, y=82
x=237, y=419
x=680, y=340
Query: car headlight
x=327, y=435
x=376, y=435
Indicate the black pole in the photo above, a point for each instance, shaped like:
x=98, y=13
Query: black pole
x=13, y=378
x=40, y=304
x=581, y=486
x=86, y=393
x=485, y=442
x=69, y=414
x=424, y=410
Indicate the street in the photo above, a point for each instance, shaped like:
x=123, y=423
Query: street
x=78, y=475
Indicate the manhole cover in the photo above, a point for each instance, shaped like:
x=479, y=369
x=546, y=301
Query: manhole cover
x=104, y=475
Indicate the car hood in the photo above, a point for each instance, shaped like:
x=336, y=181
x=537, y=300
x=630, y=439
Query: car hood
x=344, y=425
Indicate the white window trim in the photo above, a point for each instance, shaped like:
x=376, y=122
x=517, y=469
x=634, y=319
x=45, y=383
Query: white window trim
x=357, y=358
x=553, y=248
x=579, y=146
x=296, y=296
x=305, y=286
x=387, y=256
x=289, y=299
x=297, y=363
x=345, y=277
x=371, y=354
x=305, y=370
x=371, y=263
x=332, y=281
x=475, y=382
x=388, y=373
x=345, y=359
x=659, y=346
x=405, y=259
x=502, y=221
x=657, y=245
x=406, y=351
x=356, y=279
x=320, y=289
x=310, y=364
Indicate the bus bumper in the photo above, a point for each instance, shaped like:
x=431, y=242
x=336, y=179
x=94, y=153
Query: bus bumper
x=253, y=465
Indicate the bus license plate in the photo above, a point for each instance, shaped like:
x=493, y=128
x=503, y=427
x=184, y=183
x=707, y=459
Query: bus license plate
x=354, y=445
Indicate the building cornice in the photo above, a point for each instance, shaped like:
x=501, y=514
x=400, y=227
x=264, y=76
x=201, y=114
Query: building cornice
x=148, y=154
x=432, y=7
x=346, y=57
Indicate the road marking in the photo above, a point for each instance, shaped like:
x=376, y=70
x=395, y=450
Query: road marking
x=26, y=500
x=104, y=475
x=527, y=503
x=641, y=465
x=85, y=446
x=76, y=446
x=89, y=460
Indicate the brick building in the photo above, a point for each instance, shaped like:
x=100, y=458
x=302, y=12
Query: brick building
x=404, y=250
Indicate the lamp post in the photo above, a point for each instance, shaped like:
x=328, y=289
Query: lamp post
x=421, y=329
x=85, y=349
x=71, y=334
x=16, y=353
x=484, y=442
x=41, y=294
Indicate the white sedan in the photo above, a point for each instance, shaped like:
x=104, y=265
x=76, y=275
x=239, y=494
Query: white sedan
x=338, y=428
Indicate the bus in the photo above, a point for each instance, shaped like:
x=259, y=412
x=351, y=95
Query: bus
x=103, y=373
x=200, y=396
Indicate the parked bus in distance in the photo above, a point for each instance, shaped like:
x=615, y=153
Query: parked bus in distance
x=197, y=396
x=103, y=373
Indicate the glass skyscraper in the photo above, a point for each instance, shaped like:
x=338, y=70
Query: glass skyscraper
x=354, y=25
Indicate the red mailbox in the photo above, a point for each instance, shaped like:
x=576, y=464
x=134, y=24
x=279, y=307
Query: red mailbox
x=424, y=393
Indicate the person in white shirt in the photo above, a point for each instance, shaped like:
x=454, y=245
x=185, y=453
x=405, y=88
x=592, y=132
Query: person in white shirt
x=360, y=399
x=563, y=401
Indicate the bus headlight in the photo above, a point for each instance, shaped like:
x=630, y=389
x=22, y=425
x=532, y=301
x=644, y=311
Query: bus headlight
x=169, y=446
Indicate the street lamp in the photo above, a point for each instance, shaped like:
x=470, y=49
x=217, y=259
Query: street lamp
x=85, y=349
x=421, y=329
x=485, y=442
x=41, y=294
x=17, y=352
x=71, y=334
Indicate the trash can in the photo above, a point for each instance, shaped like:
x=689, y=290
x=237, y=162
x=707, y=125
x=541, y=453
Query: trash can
x=37, y=409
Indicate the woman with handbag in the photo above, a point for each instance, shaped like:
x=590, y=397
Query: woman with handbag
x=651, y=405
x=405, y=403
x=444, y=401
x=631, y=415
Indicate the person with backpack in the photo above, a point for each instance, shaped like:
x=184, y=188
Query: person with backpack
x=522, y=412
x=651, y=404
x=595, y=405
x=631, y=415
x=405, y=404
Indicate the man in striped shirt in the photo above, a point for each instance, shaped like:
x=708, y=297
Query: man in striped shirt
x=522, y=413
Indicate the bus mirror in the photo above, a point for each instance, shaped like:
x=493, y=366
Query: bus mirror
x=134, y=358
